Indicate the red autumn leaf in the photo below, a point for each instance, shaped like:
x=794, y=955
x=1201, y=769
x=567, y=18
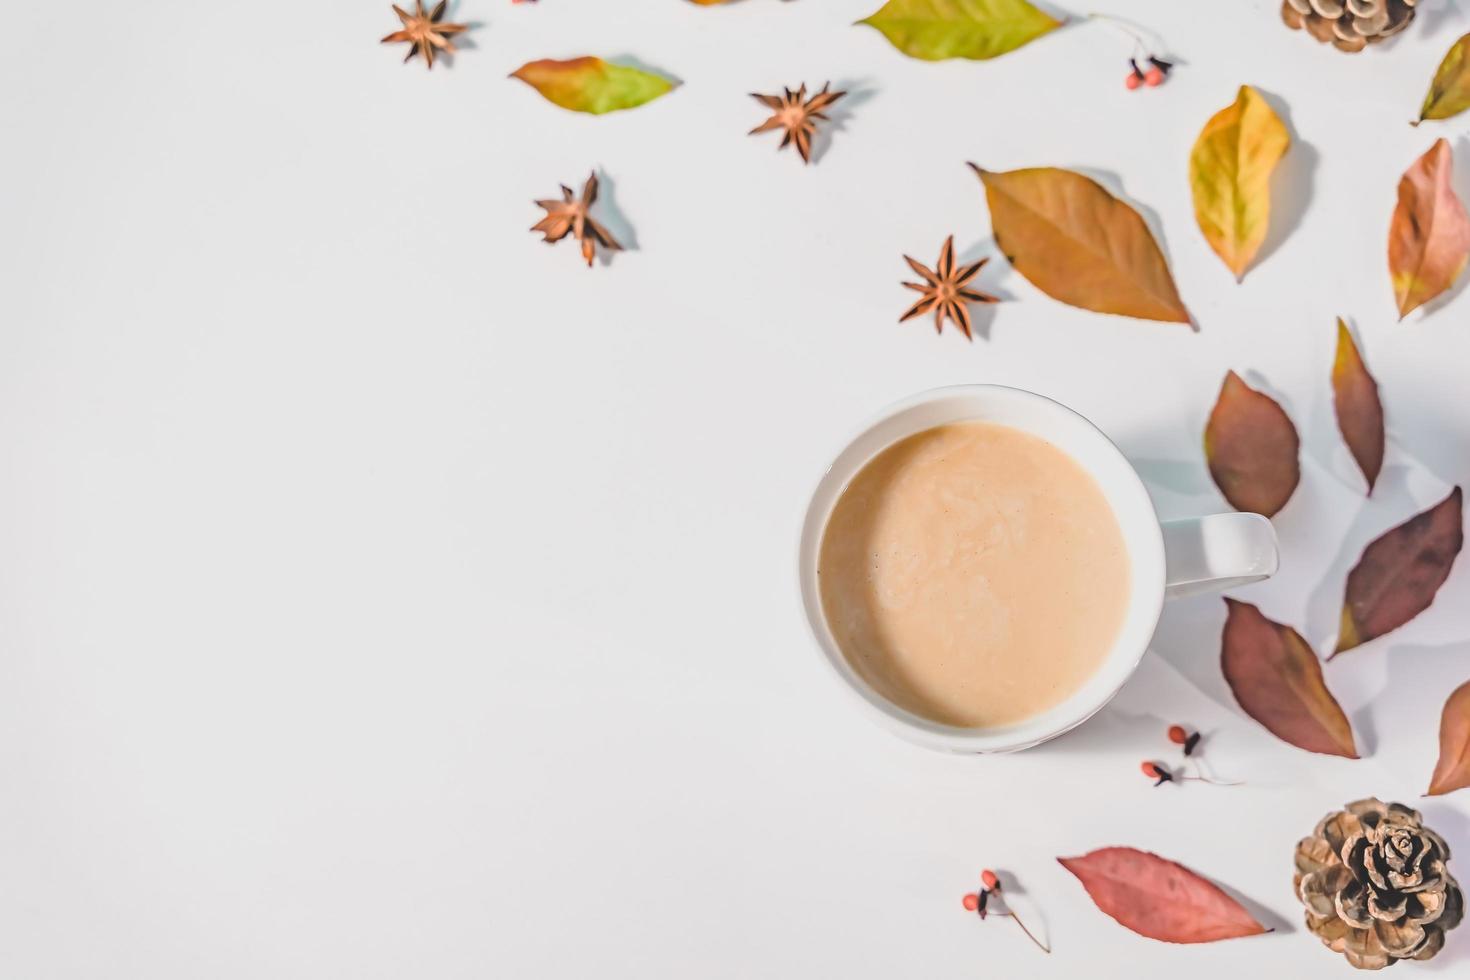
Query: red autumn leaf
x=1277, y=680
x=1453, y=769
x=1160, y=899
x=1400, y=572
x=1359, y=412
x=1252, y=449
x=1429, y=237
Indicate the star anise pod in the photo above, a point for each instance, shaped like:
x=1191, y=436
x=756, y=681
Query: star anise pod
x=943, y=290
x=569, y=216
x=796, y=114
x=424, y=32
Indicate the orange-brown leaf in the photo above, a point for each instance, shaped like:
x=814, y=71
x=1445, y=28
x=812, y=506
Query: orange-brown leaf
x=1359, y=412
x=1252, y=449
x=1277, y=680
x=1429, y=237
x=1452, y=772
x=1400, y=572
x=1159, y=898
x=1079, y=244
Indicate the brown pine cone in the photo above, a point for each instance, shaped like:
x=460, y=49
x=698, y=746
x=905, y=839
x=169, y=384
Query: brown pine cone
x=1375, y=885
x=1348, y=25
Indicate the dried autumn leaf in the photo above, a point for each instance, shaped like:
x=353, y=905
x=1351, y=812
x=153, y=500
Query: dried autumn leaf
x=1159, y=898
x=1400, y=572
x=1449, y=91
x=1277, y=680
x=1079, y=244
x=976, y=29
x=1452, y=772
x=1252, y=449
x=591, y=84
x=1359, y=412
x=1429, y=237
x=1230, y=174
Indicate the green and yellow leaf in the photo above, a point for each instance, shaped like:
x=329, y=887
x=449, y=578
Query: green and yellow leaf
x=591, y=84
x=1449, y=92
x=1230, y=175
x=934, y=30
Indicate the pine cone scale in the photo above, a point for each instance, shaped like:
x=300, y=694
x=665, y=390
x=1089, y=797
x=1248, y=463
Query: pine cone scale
x=1401, y=940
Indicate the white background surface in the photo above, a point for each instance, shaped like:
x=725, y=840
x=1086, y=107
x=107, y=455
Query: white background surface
x=385, y=594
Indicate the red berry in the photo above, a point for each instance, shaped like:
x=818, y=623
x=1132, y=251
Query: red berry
x=1133, y=80
x=1150, y=770
x=1177, y=734
x=1154, y=77
x=971, y=901
x=990, y=880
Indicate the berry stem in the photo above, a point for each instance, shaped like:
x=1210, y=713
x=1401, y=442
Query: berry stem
x=1207, y=776
x=1133, y=31
x=1029, y=935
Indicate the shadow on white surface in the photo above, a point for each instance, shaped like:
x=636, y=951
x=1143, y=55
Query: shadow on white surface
x=859, y=91
x=1433, y=16
x=1109, y=731
x=1263, y=914
x=1365, y=731
x=1291, y=184
x=612, y=218
x=984, y=314
x=1188, y=638
x=1176, y=476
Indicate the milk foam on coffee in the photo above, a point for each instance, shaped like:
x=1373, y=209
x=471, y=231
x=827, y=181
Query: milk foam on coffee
x=974, y=574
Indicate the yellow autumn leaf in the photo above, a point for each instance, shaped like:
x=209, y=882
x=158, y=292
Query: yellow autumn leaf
x=1230, y=175
x=1449, y=91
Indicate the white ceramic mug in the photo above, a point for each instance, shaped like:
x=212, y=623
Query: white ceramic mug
x=1167, y=560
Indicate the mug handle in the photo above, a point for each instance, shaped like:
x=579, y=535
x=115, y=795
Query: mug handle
x=1217, y=552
